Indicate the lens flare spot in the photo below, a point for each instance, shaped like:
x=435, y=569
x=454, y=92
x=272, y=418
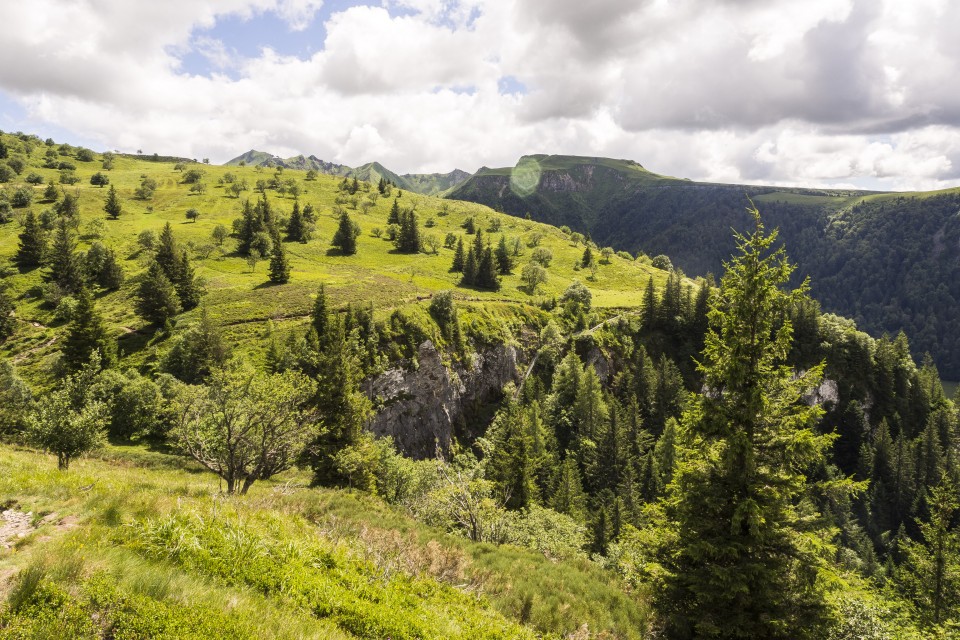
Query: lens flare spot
x=525, y=177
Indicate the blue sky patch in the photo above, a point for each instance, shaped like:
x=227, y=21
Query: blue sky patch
x=509, y=85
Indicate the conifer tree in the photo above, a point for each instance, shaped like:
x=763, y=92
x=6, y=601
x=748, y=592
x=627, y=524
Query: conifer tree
x=197, y=351
x=345, y=238
x=409, y=240
x=320, y=319
x=342, y=406
x=113, y=208
x=469, y=269
x=86, y=334
x=51, y=193
x=65, y=267
x=743, y=565
x=587, y=258
x=510, y=466
x=568, y=498
x=168, y=254
x=110, y=275
x=458, y=257
x=394, y=216
x=156, y=299
x=279, y=264
x=487, y=277
x=33, y=243
x=650, y=312
x=188, y=287
x=503, y=258
x=295, y=227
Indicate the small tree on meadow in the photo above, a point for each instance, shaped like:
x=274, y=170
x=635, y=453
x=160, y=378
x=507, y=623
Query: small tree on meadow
x=192, y=215
x=345, y=238
x=113, y=208
x=99, y=180
x=245, y=425
x=533, y=275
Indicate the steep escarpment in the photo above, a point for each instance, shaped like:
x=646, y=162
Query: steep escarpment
x=422, y=407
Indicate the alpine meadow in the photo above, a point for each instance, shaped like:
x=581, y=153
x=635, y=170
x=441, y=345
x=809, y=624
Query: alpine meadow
x=334, y=387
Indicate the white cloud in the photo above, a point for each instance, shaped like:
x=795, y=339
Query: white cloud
x=816, y=93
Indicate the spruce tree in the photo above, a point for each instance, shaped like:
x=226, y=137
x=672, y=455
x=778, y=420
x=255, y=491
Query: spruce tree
x=743, y=563
x=650, y=311
x=65, y=267
x=510, y=466
x=279, y=265
x=189, y=289
x=295, y=226
x=156, y=299
x=320, y=317
x=33, y=243
x=504, y=261
x=113, y=208
x=458, y=257
x=345, y=238
x=568, y=497
x=587, y=258
x=86, y=334
x=487, y=277
x=394, y=216
x=168, y=254
x=110, y=275
x=469, y=269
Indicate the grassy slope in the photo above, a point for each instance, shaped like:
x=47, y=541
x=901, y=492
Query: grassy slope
x=140, y=540
x=242, y=299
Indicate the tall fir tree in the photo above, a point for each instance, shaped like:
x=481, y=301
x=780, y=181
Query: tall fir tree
x=458, y=257
x=188, y=286
x=295, y=226
x=33, y=243
x=65, y=267
x=112, y=207
x=320, y=317
x=504, y=260
x=168, y=254
x=279, y=264
x=487, y=277
x=510, y=465
x=8, y=323
x=743, y=564
x=156, y=299
x=394, y=216
x=469, y=269
x=86, y=334
x=110, y=275
x=345, y=238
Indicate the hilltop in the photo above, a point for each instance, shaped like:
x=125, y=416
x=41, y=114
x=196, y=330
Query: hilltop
x=890, y=261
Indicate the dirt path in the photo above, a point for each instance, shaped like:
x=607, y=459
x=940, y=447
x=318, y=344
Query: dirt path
x=13, y=526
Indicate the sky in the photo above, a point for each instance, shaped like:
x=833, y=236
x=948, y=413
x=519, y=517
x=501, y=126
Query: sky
x=821, y=93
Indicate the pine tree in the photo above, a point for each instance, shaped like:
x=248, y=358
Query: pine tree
x=469, y=269
x=568, y=497
x=168, y=254
x=110, y=275
x=650, y=311
x=65, y=267
x=504, y=261
x=113, y=208
x=458, y=257
x=320, y=317
x=487, y=277
x=279, y=265
x=33, y=243
x=930, y=573
x=510, y=466
x=345, y=238
x=343, y=407
x=743, y=564
x=587, y=258
x=408, y=240
x=86, y=334
x=197, y=351
x=295, y=227
x=394, y=216
x=189, y=289
x=156, y=298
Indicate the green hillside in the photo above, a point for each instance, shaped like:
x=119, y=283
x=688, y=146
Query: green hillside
x=888, y=260
x=241, y=297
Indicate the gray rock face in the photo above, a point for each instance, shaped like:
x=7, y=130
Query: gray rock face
x=420, y=409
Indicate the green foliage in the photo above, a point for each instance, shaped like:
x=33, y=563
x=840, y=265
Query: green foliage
x=156, y=299
x=345, y=239
x=747, y=555
x=68, y=423
x=279, y=264
x=86, y=335
x=196, y=351
x=244, y=426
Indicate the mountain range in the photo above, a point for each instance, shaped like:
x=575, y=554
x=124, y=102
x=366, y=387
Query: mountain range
x=425, y=183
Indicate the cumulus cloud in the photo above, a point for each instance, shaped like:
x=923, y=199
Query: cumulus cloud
x=824, y=92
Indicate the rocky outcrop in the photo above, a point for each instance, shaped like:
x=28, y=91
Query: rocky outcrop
x=421, y=409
